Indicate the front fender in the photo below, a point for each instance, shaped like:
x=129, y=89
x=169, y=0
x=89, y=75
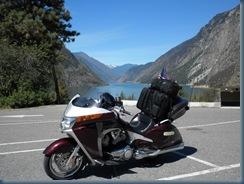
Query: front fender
x=62, y=145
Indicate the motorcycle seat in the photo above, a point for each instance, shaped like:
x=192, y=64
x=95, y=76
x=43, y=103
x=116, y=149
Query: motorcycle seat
x=141, y=123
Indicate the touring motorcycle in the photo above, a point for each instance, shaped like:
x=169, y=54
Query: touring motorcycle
x=98, y=135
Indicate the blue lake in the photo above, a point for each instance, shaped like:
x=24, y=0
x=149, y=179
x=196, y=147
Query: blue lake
x=115, y=89
x=128, y=89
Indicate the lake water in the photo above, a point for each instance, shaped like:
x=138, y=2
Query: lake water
x=115, y=89
x=128, y=89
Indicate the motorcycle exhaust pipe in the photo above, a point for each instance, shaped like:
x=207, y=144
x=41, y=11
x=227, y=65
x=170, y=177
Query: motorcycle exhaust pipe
x=139, y=155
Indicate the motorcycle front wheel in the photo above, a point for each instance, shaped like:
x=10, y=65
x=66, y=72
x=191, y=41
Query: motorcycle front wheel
x=57, y=168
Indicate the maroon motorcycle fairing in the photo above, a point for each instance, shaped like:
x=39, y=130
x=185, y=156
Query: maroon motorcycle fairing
x=160, y=140
x=144, y=125
x=88, y=131
x=60, y=146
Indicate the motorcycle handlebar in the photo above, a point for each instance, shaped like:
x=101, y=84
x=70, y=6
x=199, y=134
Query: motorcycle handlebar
x=122, y=109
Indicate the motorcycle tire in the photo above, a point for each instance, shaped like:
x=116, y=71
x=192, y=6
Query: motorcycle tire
x=56, y=168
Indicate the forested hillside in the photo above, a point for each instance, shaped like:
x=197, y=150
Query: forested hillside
x=76, y=73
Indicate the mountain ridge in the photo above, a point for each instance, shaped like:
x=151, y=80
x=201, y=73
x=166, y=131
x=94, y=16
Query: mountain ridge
x=212, y=57
x=108, y=73
x=101, y=70
x=121, y=70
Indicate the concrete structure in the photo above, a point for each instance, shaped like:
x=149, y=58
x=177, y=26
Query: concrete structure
x=191, y=104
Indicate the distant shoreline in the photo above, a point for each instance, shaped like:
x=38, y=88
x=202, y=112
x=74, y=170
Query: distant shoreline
x=195, y=86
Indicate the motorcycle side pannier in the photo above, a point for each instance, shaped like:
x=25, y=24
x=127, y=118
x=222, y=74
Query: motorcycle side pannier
x=166, y=86
x=153, y=103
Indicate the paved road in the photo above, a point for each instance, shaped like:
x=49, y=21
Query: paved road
x=212, y=151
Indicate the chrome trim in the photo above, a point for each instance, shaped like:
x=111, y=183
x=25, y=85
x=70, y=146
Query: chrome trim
x=122, y=154
x=72, y=134
x=164, y=121
x=102, y=163
x=169, y=133
x=179, y=146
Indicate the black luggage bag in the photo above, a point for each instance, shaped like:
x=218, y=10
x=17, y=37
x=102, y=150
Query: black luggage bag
x=154, y=103
x=166, y=86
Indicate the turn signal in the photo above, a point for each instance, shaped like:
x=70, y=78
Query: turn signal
x=88, y=117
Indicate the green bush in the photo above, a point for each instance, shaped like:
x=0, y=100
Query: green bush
x=131, y=97
x=209, y=95
x=25, y=98
x=122, y=95
x=182, y=93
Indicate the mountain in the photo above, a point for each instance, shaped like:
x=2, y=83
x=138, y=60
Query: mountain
x=132, y=74
x=121, y=70
x=212, y=57
x=111, y=66
x=77, y=73
x=101, y=70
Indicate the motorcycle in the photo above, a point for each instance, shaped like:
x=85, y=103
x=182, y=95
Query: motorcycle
x=98, y=135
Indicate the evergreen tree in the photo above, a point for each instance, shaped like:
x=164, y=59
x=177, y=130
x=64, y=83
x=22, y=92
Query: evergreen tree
x=41, y=25
x=36, y=22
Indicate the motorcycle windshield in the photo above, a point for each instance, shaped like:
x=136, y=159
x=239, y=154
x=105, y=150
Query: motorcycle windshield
x=84, y=102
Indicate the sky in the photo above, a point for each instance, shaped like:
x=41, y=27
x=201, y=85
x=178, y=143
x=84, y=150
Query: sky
x=118, y=32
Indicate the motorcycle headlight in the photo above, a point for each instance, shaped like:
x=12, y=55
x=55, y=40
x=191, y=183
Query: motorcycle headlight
x=67, y=123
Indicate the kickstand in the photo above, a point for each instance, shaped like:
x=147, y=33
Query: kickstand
x=115, y=172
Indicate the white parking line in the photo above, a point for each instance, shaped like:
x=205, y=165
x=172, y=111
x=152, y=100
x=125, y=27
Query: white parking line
x=196, y=159
x=27, y=123
x=21, y=116
x=217, y=169
x=212, y=124
x=21, y=151
x=27, y=142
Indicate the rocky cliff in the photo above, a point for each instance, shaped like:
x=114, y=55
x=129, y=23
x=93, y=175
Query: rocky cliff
x=211, y=58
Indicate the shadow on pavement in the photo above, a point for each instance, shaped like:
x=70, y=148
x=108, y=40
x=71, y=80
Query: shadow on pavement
x=109, y=172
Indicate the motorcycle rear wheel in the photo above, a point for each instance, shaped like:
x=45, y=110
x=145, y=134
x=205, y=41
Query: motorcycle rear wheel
x=56, y=168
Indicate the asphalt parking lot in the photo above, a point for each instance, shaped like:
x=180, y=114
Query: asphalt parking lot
x=212, y=150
